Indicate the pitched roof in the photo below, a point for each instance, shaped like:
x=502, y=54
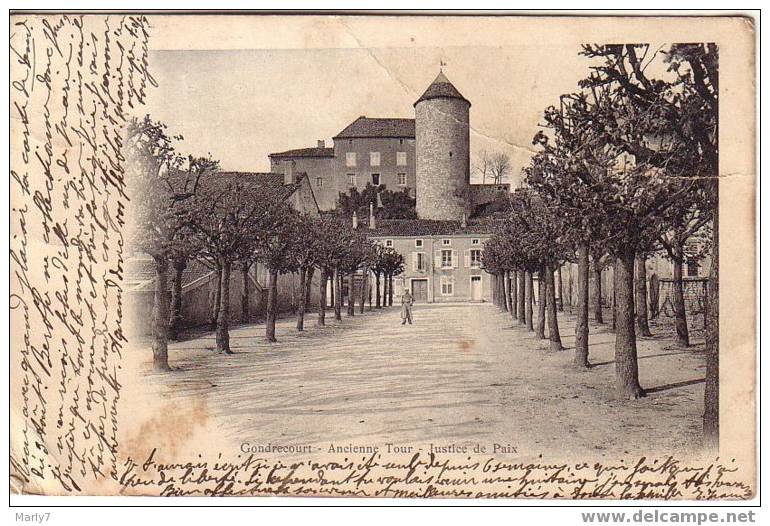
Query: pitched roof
x=441, y=88
x=428, y=227
x=140, y=274
x=268, y=181
x=305, y=152
x=375, y=127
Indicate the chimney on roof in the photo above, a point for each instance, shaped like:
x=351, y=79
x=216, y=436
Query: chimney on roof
x=465, y=220
x=355, y=221
x=372, y=224
x=288, y=172
x=321, y=143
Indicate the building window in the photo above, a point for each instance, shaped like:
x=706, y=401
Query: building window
x=374, y=158
x=419, y=262
x=401, y=158
x=446, y=242
x=475, y=258
x=350, y=158
x=389, y=243
x=376, y=179
x=418, y=243
x=692, y=269
x=447, y=286
x=319, y=182
x=446, y=258
x=474, y=241
x=401, y=141
x=401, y=179
x=450, y=154
x=352, y=179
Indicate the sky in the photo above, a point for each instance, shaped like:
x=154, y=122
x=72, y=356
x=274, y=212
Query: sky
x=243, y=87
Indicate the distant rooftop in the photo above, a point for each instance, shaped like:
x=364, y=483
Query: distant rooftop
x=271, y=183
x=441, y=88
x=364, y=127
x=304, y=152
x=428, y=227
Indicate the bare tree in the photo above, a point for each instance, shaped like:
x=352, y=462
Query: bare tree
x=482, y=165
x=500, y=167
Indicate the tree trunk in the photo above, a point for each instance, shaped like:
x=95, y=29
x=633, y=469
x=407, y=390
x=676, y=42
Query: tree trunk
x=362, y=295
x=308, y=288
x=560, y=289
x=377, y=292
x=272, y=305
x=504, y=292
x=496, y=297
x=217, y=301
x=352, y=294
x=550, y=301
x=613, y=302
x=175, y=323
x=626, y=365
x=522, y=297
x=390, y=289
x=160, y=319
x=597, y=299
x=514, y=294
x=682, y=338
x=654, y=296
x=711, y=393
x=529, y=301
x=245, y=293
x=540, y=327
x=302, y=306
x=384, y=289
x=640, y=291
x=337, y=295
x=581, y=327
x=322, y=297
x=508, y=293
x=331, y=279
x=223, y=321
x=570, y=292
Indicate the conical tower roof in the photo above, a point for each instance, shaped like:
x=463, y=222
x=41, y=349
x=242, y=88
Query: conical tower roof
x=441, y=88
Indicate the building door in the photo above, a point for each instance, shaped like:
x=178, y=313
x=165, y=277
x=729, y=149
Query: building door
x=420, y=290
x=476, y=288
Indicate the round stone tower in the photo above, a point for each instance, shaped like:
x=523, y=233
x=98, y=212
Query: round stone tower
x=442, y=136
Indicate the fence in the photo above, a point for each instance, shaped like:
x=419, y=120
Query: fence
x=661, y=298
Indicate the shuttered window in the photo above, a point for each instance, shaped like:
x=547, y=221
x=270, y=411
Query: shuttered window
x=446, y=258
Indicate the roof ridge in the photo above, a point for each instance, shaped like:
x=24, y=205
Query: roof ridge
x=393, y=127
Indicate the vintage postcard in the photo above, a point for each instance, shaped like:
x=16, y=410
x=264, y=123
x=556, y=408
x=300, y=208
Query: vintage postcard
x=383, y=255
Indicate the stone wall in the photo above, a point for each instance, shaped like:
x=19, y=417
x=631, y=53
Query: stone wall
x=443, y=157
x=388, y=168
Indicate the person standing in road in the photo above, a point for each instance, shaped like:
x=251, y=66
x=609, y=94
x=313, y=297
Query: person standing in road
x=406, y=307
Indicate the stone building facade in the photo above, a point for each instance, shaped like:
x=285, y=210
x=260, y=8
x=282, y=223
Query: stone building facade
x=430, y=156
x=442, y=259
x=377, y=152
x=318, y=164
